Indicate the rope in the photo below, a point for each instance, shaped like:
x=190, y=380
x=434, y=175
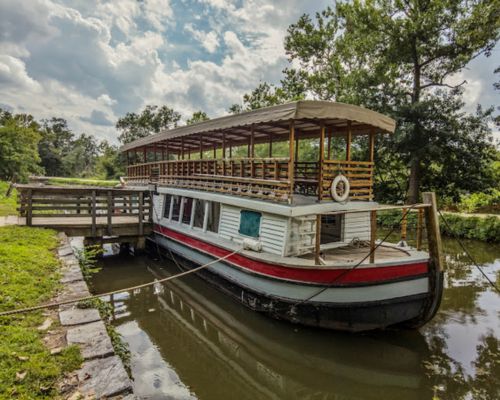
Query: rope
x=468, y=255
x=169, y=278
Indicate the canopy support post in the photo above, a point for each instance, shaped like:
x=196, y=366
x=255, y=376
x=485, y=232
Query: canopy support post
x=291, y=162
x=321, y=160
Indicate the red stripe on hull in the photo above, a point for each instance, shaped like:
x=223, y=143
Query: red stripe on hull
x=358, y=275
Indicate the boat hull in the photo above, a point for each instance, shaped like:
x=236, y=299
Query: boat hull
x=353, y=307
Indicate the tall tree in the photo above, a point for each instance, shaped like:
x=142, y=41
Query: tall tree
x=56, y=143
x=198, y=116
x=392, y=56
x=19, y=139
x=81, y=160
x=150, y=120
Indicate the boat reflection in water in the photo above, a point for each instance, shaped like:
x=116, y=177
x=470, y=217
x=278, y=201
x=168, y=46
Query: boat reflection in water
x=188, y=340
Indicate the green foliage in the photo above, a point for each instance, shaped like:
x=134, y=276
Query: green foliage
x=56, y=144
x=480, y=202
x=87, y=258
x=19, y=139
x=198, y=116
x=29, y=277
x=7, y=204
x=151, y=120
x=82, y=182
x=471, y=227
x=394, y=57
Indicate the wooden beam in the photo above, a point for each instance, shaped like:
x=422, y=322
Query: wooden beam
x=373, y=234
x=372, y=146
x=291, y=162
x=348, y=142
x=330, y=131
x=321, y=160
x=433, y=233
x=223, y=144
x=252, y=142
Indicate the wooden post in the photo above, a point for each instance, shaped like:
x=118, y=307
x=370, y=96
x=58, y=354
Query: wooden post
x=151, y=209
x=94, y=216
x=163, y=153
x=29, y=211
x=321, y=160
x=201, y=147
x=291, y=162
x=110, y=213
x=348, y=142
x=205, y=216
x=373, y=234
x=215, y=153
x=372, y=146
x=419, y=228
x=141, y=213
x=433, y=233
x=404, y=223
x=224, y=145
x=329, y=156
x=317, y=245
x=270, y=146
x=145, y=154
x=182, y=148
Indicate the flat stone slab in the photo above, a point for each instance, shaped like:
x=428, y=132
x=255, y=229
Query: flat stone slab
x=71, y=275
x=104, y=378
x=74, y=290
x=77, y=316
x=65, y=251
x=93, y=340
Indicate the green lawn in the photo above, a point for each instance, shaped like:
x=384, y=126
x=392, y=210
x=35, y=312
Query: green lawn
x=29, y=276
x=83, y=182
x=7, y=204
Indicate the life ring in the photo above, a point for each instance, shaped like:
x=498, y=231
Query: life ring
x=340, y=188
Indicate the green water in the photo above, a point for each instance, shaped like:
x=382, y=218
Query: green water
x=190, y=341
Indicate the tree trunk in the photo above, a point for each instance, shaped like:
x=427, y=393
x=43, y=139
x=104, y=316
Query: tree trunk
x=414, y=182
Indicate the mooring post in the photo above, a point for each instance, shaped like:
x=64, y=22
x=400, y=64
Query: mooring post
x=317, y=246
x=433, y=233
x=373, y=234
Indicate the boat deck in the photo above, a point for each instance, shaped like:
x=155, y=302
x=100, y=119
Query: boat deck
x=357, y=253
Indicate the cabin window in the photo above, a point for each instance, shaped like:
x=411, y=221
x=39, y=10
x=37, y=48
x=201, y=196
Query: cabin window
x=176, y=208
x=186, y=213
x=199, y=211
x=250, y=223
x=166, y=205
x=331, y=228
x=213, y=216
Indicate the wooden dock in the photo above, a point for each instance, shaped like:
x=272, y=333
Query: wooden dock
x=96, y=213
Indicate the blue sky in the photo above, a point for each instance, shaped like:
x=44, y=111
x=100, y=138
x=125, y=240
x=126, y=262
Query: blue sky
x=91, y=61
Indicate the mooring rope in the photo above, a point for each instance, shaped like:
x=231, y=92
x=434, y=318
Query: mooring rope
x=86, y=298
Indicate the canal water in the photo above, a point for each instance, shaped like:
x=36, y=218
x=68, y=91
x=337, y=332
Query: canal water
x=187, y=340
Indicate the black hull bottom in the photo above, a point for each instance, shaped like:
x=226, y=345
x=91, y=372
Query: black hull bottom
x=403, y=312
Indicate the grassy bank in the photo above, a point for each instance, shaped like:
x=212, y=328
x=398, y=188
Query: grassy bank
x=29, y=276
x=7, y=204
x=82, y=182
x=468, y=226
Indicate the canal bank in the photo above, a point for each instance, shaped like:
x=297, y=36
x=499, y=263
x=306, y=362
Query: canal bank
x=189, y=341
x=56, y=353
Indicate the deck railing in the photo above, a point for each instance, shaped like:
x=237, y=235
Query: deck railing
x=257, y=177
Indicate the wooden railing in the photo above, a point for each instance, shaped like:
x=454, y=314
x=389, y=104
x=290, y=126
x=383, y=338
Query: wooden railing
x=92, y=203
x=257, y=177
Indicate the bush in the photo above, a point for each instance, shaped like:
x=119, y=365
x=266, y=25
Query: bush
x=476, y=202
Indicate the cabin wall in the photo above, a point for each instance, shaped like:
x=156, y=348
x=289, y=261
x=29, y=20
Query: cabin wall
x=356, y=226
x=272, y=235
x=302, y=235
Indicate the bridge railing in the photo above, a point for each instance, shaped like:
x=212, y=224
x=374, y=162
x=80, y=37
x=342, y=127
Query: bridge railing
x=94, y=206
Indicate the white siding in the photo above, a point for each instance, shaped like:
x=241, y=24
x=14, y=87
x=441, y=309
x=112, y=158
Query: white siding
x=273, y=229
x=302, y=236
x=356, y=226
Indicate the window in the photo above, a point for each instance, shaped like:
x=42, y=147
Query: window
x=213, y=216
x=186, y=213
x=176, y=208
x=250, y=223
x=199, y=212
x=166, y=205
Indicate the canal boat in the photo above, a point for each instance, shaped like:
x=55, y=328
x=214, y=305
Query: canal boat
x=281, y=200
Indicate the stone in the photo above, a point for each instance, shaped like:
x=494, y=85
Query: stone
x=46, y=324
x=93, y=340
x=104, y=378
x=71, y=275
x=74, y=290
x=77, y=316
x=65, y=251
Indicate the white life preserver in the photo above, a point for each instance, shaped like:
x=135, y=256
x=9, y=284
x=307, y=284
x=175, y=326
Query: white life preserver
x=344, y=188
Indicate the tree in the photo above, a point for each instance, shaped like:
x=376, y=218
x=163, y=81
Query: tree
x=151, y=120
x=198, y=116
x=19, y=139
x=392, y=56
x=109, y=164
x=56, y=143
x=81, y=160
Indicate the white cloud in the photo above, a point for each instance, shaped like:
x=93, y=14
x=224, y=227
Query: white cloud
x=210, y=40
x=13, y=75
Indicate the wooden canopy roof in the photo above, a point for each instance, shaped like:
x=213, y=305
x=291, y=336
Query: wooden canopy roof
x=270, y=123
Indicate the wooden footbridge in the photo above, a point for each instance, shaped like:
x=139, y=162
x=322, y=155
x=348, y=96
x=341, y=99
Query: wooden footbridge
x=98, y=214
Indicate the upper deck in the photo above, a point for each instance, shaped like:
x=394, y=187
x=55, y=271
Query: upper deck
x=260, y=153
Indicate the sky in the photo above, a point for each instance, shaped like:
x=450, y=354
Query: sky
x=92, y=61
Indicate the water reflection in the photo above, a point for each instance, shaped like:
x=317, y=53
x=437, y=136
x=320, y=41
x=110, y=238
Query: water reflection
x=188, y=340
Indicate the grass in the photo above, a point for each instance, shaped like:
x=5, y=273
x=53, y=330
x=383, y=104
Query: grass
x=82, y=182
x=29, y=276
x=7, y=204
